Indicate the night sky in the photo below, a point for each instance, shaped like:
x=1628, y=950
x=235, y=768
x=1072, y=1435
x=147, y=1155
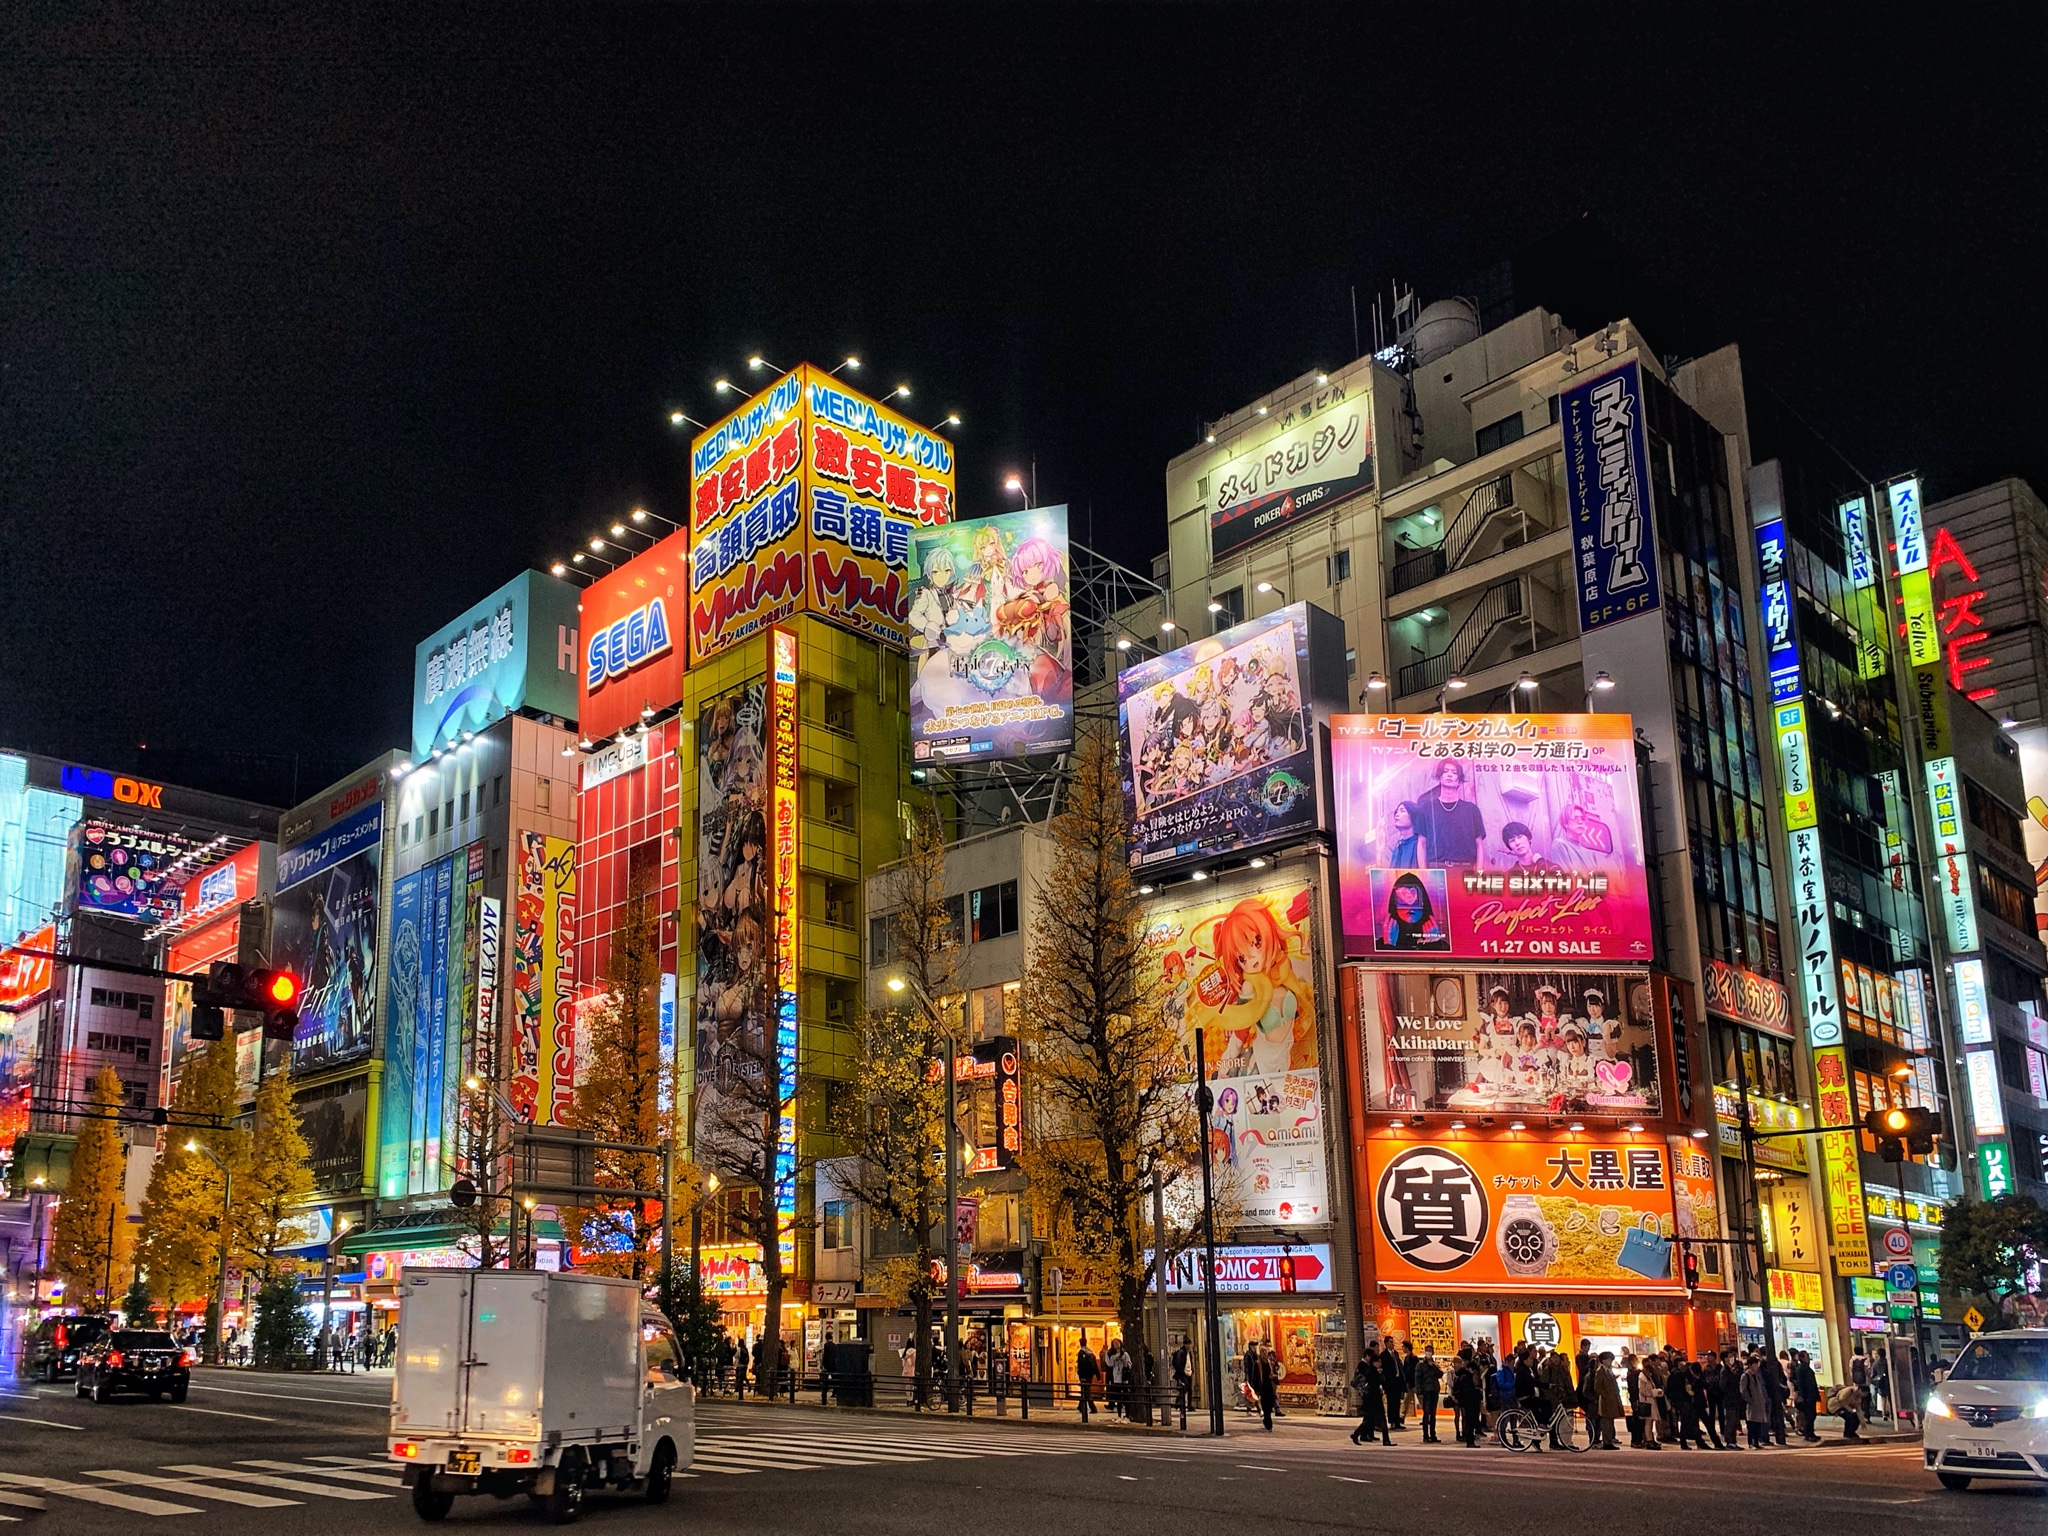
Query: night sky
x=319, y=324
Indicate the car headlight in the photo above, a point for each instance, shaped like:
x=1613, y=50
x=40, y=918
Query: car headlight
x=1938, y=1408
x=2038, y=1408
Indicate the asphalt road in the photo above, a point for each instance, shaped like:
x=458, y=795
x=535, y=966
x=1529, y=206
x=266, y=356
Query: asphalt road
x=261, y=1455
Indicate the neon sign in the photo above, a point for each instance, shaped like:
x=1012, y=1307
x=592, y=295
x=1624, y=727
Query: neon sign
x=1962, y=626
x=627, y=643
x=783, y=812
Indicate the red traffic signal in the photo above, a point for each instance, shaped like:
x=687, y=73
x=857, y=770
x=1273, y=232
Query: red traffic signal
x=272, y=993
x=282, y=989
x=1689, y=1267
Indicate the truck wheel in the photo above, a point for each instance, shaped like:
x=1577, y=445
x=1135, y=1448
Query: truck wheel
x=566, y=1502
x=661, y=1475
x=428, y=1504
x=1954, y=1480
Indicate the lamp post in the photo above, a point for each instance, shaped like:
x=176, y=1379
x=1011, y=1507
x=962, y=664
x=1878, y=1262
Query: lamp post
x=1269, y=589
x=327, y=1290
x=697, y=1239
x=952, y=1223
x=217, y=1325
x=1602, y=683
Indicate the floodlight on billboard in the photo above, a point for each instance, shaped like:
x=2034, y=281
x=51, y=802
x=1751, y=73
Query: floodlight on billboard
x=991, y=638
x=1490, y=837
x=1219, y=737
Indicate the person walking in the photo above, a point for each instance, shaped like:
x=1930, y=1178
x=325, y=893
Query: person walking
x=1115, y=1369
x=1085, y=1372
x=1259, y=1376
x=1468, y=1396
x=1390, y=1384
x=1372, y=1403
x=1805, y=1396
x=1408, y=1358
x=1429, y=1386
x=1183, y=1377
x=1731, y=1401
x=1756, y=1404
x=1713, y=1383
x=1603, y=1403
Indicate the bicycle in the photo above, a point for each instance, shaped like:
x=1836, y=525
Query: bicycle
x=1523, y=1429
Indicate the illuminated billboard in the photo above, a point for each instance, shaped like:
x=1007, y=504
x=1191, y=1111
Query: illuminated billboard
x=1606, y=437
x=131, y=871
x=1239, y=966
x=736, y=962
x=1310, y=466
x=324, y=926
x=544, y=979
x=1219, y=737
x=991, y=642
x=1490, y=837
x=634, y=647
x=805, y=499
x=515, y=649
x=1547, y=1041
x=1461, y=1211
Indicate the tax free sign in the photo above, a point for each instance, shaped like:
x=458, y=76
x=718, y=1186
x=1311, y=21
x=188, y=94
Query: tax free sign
x=517, y=649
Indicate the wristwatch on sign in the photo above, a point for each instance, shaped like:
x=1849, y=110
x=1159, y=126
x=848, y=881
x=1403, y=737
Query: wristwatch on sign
x=1525, y=1241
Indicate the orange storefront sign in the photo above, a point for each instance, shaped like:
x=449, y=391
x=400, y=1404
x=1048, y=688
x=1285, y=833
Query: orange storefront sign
x=1451, y=1212
x=24, y=977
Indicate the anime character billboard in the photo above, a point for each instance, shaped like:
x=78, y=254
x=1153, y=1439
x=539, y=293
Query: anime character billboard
x=991, y=644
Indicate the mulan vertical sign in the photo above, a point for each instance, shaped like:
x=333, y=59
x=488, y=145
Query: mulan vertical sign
x=1607, y=459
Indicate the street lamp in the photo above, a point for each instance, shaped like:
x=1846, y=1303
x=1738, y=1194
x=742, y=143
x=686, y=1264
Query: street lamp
x=697, y=1239
x=1452, y=684
x=217, y=1324
x=1602, y=683
x=1267, y=588
x=938, y=1022
x=341, y=1225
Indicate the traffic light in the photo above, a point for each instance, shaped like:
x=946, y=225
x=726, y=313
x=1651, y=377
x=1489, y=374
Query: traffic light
x=272, y=993
x=1689, y=1266
x=1923, y=1126
x=1891, y=1127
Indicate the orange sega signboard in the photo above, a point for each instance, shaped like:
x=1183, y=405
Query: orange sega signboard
x=804, y=500
x=633, y=653
x=1453, y=1212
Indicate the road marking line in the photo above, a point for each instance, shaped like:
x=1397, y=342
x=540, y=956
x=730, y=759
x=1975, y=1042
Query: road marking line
x=112, y=1498
x=222, y=1413
x=1336, y=1478
x=757, y=1463
x=264, y=1480
x=392, y=1481
x=16, y=1418
x=714, y=1447
x=21, y=1500
x=354, y=1461
x=225, y=1495
x=1245, y=1466
x=294, y=1397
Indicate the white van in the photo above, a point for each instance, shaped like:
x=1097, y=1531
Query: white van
x=1990, y=1417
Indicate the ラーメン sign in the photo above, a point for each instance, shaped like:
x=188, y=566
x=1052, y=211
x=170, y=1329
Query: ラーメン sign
x=1490, y=838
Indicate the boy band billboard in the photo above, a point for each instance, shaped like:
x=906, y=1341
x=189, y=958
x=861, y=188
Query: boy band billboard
x=1511, y=838
x=991, y=638
x=1219, y=737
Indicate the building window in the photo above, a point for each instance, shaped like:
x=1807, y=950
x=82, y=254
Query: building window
x=1989, y=815
x=838, y=1225
x=465, y=805
x=498, y=790
x=839, y=804
x=1230, y=609
x=2007, y=898
x=1351, y=661
x=839, y=903
x=1340, y=566
x=433, y=821
x=497, y=863
x=541, y=795
x=882, y=939
x=448, y=814
x=992, y=911
x=838, y=709
x=1498, y=434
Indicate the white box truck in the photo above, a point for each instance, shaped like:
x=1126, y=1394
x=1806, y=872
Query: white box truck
x=522, y=1381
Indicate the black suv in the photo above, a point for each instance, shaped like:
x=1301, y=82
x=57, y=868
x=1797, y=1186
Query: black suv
x=135, y=1360
x=56, y=1343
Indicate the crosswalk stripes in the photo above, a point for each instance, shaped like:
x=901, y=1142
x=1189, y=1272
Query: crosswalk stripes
x=724, y=1449
x=267, y=1480
x=113, y=1498
x=189, y=1488
x=394, y=1480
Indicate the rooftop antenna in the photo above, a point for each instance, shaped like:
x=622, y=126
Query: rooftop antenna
x=1355, y=347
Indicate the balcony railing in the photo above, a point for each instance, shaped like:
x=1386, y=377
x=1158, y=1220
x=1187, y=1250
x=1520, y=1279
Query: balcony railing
x=1497, y=604
x=1481, y=506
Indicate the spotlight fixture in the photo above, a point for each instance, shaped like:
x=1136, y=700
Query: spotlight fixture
x=1262, y=410
x=724, y=386
x=1322, y=378
x=1212, y=437
x=584, y=743
x=676, y=418
x=1123, y=643
x=1215, y=607
x=1602, y=683
x=1457, y=1125
x=1699, y=1133
x=1167, y=626
x=1633, y=1125
x=1144, y=890
x=1526, y=683
x=1576, y=1126
x=1200, y=874
x=1454, y=683
x=596, y=545
x=558, y=569
x=1258, y=863
x=1375, y=684
x=1516, y=1125
x=1397, y=1123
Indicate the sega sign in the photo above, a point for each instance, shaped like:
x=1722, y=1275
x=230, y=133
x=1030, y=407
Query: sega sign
x=627, y=643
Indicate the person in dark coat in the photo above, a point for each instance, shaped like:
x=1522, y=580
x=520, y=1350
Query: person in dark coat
x=1372, y=1403
x=1429, y=1383
x=1779, y=1386
x=1805, y=1396
x=1603, y=1404
x=1713, y=1390
x=1468, y=1396
x=1683, y=1390
x=1262, y=1376
x=1390, y=1383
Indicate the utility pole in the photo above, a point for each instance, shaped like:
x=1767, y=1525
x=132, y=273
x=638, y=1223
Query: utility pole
x=1212, y=1342
x=952, y=1239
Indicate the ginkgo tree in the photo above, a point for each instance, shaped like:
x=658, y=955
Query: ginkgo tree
x=183, y=1223
x=89, y=1240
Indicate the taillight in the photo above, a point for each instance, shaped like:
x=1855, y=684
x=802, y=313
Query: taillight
x=405, y=1448
x=519, y=1456
x=188, y=1357
x=113, y=1357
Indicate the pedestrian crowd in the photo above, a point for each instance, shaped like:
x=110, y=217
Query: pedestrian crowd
x=1719, y=1401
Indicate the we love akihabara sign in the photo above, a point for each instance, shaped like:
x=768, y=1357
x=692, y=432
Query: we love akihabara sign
x=1512, y=838
x=804, y=500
